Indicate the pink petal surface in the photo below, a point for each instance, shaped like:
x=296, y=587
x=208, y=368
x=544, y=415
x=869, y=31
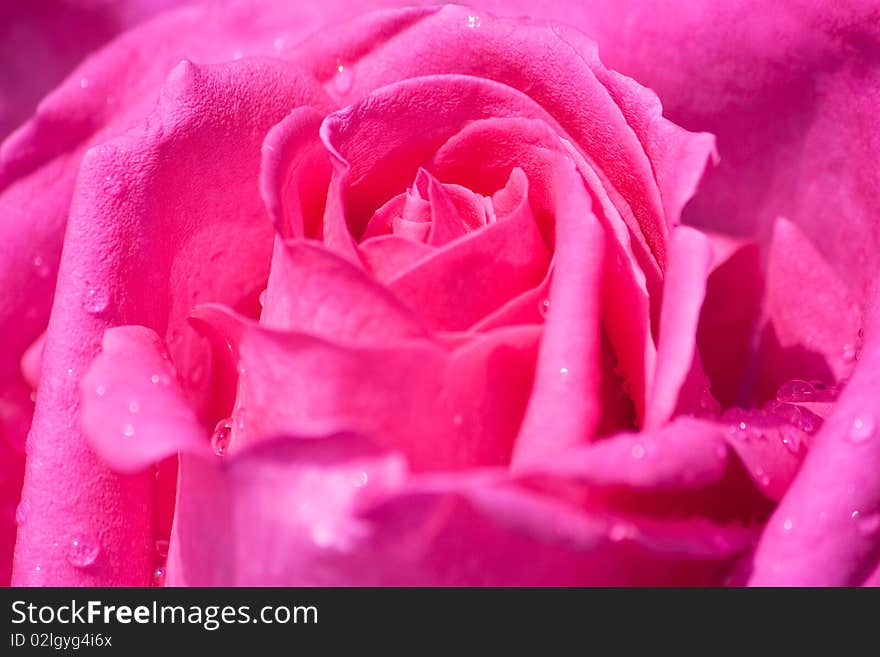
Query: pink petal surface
x=315, y=291
x=826, y=531
x=340, y=513
x=689, y=263
x=443, y=409
x=131, y=395
x=811, y=320
x=159, y=229
x=564, y=407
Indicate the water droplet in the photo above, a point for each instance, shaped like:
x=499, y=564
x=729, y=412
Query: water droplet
x=128, y=430
x=796, y=390
x=263, y=299
x=33, y=396
x=848, y=353
x=222, y=435
x=563, y=370
x=322, y=536
x=21, y=513
x=787, y=524
x=82, y=551
x=473, y=22
x=100, y=391
x=133, y=407
x=544, y=307
x=763, y=477
x=83, y=83
x=637, y=451
x=158, y=579
x=868, y=525
x=343, y=79
x=862, y=429
x=154, y=379
x=41, y=266
x=95, y=301
x=791, y=438
x=361, y=480
x=621, y=531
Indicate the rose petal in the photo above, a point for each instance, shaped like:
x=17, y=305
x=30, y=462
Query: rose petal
x=826, y=531
x=812, y=322
x=688, y=265
x=302, y=512
x=315, y=291
x=139, y=228
x=442, y=409
x=564, y=407
x=134, y=411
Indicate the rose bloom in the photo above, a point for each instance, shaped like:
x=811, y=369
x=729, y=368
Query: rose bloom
x=346, y=293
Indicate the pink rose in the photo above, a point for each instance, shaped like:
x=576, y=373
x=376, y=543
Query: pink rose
x=409, y=300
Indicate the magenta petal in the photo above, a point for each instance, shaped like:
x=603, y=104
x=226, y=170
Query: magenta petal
x=133, y=409
x=295, y=173
x=150, y=215
x=685, y=454
x=826, y=531
x=467, y=279
x=386, y=256
x=335, y=511
x=688, y=265
x=812, y=320
x=564, y=407
x=313, y=290
x=443, y=409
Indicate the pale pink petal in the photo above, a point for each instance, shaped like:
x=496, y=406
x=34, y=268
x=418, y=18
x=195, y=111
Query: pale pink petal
x=134, y=411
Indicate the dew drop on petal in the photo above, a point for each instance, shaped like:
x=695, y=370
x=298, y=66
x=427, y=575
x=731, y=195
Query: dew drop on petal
x=95, y=301
x=862, y=429
x=473, y=22
x=563, y=370
x=361, y=480
x=796, y=390
x=621, y=531
x=637, y=451
x=154, y=379
x=133, y=407
x=848, y=353
x=82, y=551
x=158, y=579
x=544, y=307
x=128, y=430
x=41, y=266
x=343, y=79
x=83, y=83
x=263, y=299
x=787, y=524
x=222, y=435
x=21, y=512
